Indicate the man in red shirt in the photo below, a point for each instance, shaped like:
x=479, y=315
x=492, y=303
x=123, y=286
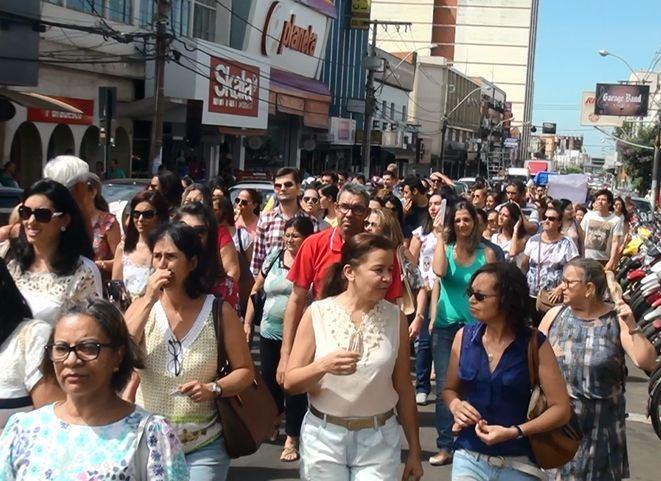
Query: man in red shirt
x=317, y=254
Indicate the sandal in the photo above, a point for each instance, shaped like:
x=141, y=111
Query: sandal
x=441, y=459
x=289, y=454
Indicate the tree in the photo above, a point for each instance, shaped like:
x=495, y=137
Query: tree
x=637, y=161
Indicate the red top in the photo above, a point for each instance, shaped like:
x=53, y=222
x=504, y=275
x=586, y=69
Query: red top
x=224, y=236
x=318, y=253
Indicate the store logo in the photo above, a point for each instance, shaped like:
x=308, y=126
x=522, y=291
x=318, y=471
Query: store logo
x=280, y=31
x=233, y=88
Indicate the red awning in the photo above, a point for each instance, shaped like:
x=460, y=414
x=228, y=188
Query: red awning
x=302, y=96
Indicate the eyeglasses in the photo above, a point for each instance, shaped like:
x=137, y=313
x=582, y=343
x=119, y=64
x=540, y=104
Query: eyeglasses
x=41, y=214
x=85, y=351
x=309, y=200
x=355, y=209
x=146, y=214
x=283, y=185
x=174, y=365
x=570, y=282
x=152, y=187
x=479, y=296
x=239, y=201
x=550, y=218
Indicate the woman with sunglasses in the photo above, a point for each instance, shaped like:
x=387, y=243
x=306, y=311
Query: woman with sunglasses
x=487, y=388
x=51, y=259
x=277, y=288
x=174, y=321
x=132, y=263
x=590, y=338
x=544, y=257
x=92, y=433
x=247, y=205
x=311, y=205
x=458, y=255
x=328, y=199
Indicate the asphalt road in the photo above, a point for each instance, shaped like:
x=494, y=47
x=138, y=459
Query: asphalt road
x=643, y=445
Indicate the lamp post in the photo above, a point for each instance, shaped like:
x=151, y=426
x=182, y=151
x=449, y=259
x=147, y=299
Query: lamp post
x=657, y=140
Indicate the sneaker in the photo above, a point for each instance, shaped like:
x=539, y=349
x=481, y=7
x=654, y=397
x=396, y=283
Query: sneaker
x=421, y=398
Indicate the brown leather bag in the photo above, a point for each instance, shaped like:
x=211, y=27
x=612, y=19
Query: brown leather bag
x=543, y=303
x=246, y=279
x=554, y=448
x=248, y=417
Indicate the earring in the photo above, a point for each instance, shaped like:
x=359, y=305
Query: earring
x=62, y=229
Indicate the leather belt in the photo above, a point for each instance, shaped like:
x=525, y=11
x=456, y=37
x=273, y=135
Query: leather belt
x=354, y=423
x=518, y=463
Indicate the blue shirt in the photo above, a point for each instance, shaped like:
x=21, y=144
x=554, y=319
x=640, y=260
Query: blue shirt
x=502, y=398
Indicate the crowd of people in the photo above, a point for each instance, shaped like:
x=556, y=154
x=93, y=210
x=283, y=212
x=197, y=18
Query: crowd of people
x=341, y=280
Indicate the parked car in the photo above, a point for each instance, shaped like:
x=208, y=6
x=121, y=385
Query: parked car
x=264, y=187
x=10, y=197
x=119, y=192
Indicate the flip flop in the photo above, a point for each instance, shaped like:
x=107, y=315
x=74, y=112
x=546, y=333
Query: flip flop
x=289, y=454
x=441, y=459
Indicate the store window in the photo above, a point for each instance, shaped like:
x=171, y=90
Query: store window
x=204, y=19
x=146, y=15
x=180, y=17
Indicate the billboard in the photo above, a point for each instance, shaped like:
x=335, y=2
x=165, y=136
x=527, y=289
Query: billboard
x=233, y=87
x=622, y=100
x=589, y=118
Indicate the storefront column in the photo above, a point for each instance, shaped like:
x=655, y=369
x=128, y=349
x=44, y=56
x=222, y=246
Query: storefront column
x=239, y=153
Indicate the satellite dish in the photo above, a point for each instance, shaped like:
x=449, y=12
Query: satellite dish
x=7, y=110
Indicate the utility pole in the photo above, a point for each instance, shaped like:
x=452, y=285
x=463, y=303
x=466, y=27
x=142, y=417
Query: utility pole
x=655, y=165
x=372, y=64
x=156, y=138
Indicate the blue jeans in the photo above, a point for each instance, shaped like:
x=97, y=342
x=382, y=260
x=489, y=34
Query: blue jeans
x=423, y=358
x=466, y=467
x=209, y=463
x=441, y=339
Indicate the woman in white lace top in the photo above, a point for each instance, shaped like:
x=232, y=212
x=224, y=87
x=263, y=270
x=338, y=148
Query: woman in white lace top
x=351, y=355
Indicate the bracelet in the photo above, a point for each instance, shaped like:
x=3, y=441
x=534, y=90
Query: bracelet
x=635, y=330
x=520, y=431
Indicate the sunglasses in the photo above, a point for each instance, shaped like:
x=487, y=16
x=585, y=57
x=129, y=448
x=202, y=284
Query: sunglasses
x=146, y=214
x=478, y=295
x=283, y=185
x=309, y=200
x=550, y=218
x=41, y=214
x=152, y=187
x=238, y=201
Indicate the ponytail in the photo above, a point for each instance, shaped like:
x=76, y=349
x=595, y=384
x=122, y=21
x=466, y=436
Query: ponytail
x=335, y=282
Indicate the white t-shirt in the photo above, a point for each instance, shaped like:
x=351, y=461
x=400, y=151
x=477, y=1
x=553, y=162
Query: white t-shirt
x=426, y=256
x=20, y=358
x=599, y=233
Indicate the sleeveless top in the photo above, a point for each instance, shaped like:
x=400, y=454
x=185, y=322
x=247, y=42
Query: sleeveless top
x=196, y=424
x=135, y=276
x=369, y=391
x=501, y=397
x=453, y=305
x=590, y=354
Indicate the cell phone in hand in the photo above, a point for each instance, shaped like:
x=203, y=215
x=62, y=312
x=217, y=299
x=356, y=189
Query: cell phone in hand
x=441, y=212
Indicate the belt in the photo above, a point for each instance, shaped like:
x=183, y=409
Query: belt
x=15, y=403
x=354, y=423
x=508, y=462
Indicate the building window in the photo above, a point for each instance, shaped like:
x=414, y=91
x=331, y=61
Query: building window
x=384, y=109
x=87, y=6
x=404, y=117
x=55, y=2
x=392, y=112
x=120, y=10
x=180, y=17
x=204, y=19
x=146, y=15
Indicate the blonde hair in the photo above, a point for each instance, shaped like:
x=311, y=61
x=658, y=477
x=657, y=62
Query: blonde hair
x=389, y=226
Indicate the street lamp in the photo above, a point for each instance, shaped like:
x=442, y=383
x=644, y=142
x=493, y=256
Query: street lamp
x=606, y=53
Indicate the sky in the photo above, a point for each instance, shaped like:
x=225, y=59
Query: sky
x=569, y=34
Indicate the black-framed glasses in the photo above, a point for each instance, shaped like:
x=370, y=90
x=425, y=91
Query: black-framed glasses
x=176, y=360
x=308, y=199
x=85, y=351
x=479, y=296
x=355, y=209
x=41, y=214
x=146, y=214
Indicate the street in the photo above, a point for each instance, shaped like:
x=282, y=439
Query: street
x=642, y=443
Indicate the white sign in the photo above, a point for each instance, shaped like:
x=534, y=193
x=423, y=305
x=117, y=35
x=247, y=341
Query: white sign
x=291, y=35
x=342, y=131
x=511, y=142
x=588, y=117
x=571, y=186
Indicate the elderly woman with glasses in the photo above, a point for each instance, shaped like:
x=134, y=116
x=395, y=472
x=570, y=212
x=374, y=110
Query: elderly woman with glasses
x=590, y=338
x=93, y=433
x=174, y=321
x=487, y=388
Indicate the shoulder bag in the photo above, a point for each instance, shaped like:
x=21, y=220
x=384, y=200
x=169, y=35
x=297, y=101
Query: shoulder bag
x=557, y=447
x=246, y=279
x=543, y=302
x=248, y=417
x=259, y=297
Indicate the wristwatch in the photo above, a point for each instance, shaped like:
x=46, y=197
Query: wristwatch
x=635, y=330
x=520, y=431
x=216, y=389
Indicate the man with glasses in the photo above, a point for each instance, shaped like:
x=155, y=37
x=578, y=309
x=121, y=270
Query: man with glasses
x=317, y=254
x=271, y=225
x=479, y=198
x=516, y=192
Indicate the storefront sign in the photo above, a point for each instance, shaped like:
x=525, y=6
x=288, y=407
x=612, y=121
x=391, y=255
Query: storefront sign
x=233, y=88
x=588, y=117
x=622, y=100
x=61, y=117
x=291, y=34
x=342, y=131
x=360, y=13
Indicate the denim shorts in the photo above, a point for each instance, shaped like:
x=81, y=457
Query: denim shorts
x=467, y=467
x=209, y=463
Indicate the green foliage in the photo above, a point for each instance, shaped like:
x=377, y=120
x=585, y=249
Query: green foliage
x=637, y=162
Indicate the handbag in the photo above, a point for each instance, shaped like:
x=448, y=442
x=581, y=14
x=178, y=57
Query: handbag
x=557, y=447
x=246, y=279
x=117, y=294
x=543, y=303
x=408, y=301
x=247, y=418
x=259, y=297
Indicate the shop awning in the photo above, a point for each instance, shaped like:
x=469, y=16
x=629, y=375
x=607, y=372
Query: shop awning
x=37, y=101
x=400, y=153
x=297, y=95
x=174, y=109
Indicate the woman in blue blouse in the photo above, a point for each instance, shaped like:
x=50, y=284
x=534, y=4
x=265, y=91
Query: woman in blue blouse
x=487, y=388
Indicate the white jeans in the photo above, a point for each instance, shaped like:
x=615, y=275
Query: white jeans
x=333, y=453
